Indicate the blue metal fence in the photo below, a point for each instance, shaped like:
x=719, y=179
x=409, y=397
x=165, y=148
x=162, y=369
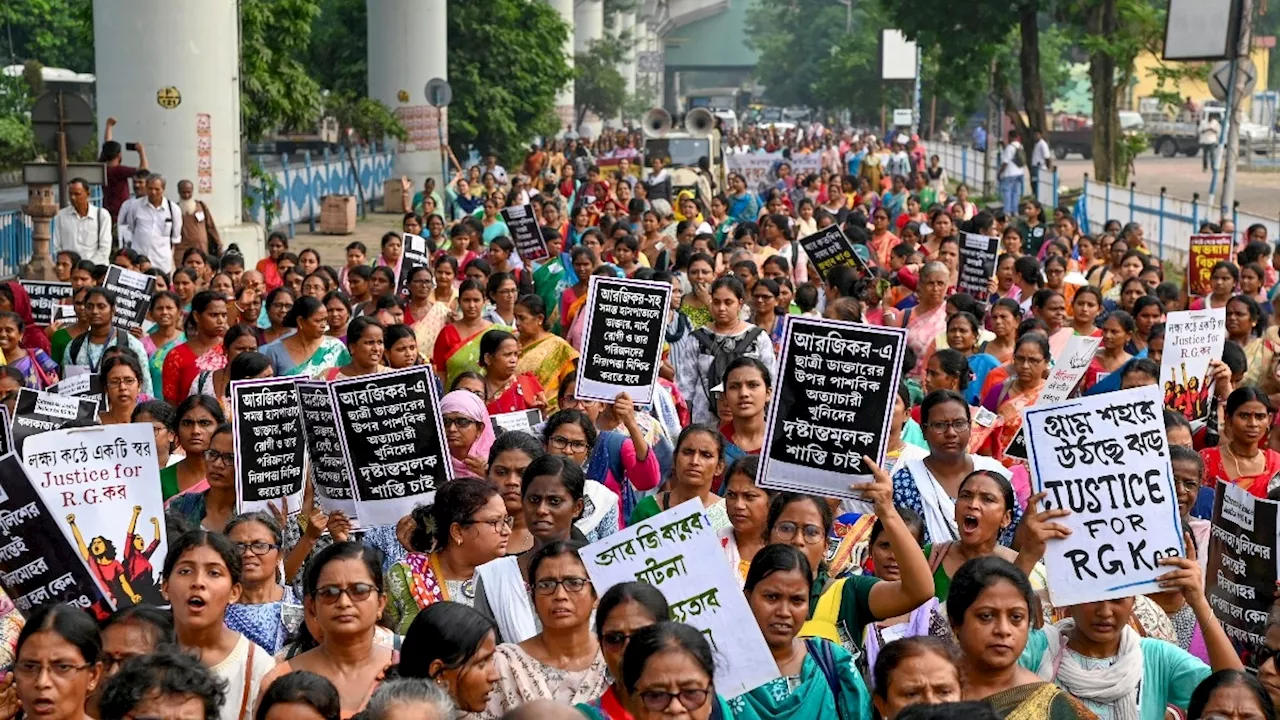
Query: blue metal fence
x=965, y=165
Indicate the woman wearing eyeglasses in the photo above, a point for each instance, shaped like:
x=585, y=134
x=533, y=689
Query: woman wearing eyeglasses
x=668, y=671
x=843, y=608
x=622, y=611
x=213, y=507
x=201, y=578
x=562, y=663
x=571, y=434
x=466, y=526
x=552, y=495
x=267, y=611
x=343, y=599
x=121, y=379
x=467, y=432
x=57, y=665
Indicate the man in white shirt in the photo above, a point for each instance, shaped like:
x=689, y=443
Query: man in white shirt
x=1039, y=161
x=157, y=226
x=1013, y=169
x=81, y=227
x=1208, y=133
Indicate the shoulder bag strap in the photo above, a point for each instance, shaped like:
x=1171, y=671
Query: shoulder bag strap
x=248, y=680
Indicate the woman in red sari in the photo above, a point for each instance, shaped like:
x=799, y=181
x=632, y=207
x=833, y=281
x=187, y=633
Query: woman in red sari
x=505, y=390
x=1242, y=460
x=205, y=326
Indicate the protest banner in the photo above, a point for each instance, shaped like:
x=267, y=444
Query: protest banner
x=64, y=313
x=1191, y=339
x=133, y=291
x=87, y=385
x=38, y=412
x=1204, y=252
x=266, y=419
x=978, y=255
x=828, y=249
x=622, y=339
x=1242, y=566
x=678, y=553
x=1105, y=459
x=415, y=254
x=525, y=233
x=324, y=450
x=37, y=564
x=522, y=421
x=1068, y=367
x=392, y=441
x=99, y=483
x=835, y=380
x=761, y=169
x=45, y=296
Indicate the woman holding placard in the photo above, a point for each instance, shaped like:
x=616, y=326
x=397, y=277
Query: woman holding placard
x=992, y=609
x=818, y=678
x=466, y=526
x=121, y=380
x=1097, y=657
x=552, y=492
x=194, y=422
x=623, y=611
x=1031, y=358
x=457, y=348
x=1241, y=460
x=929, y=485
x=846, y=606
x=563, y=662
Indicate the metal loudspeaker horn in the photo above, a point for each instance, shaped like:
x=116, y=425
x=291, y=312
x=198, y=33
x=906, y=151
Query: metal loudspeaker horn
x=699, y=122
x=657, y=122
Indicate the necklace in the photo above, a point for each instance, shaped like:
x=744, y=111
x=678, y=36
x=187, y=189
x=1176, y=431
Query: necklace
x=1235, y=460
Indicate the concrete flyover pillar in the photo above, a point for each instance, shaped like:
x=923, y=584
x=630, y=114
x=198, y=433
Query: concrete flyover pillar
x=588, y=22
x=564, y=98
x=626, y=25
x=168, y=71
x=409, y=46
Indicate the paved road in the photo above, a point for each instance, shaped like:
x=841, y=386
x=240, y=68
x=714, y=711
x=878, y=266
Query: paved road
x=1258, y=192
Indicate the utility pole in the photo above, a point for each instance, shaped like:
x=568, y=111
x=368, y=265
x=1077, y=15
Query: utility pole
x=1235, y=96
x=993, y=132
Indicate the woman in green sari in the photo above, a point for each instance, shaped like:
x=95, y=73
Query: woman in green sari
x=308, y=351
x=991, y=608
x=457, y=348
x=167, y=335
x=818, y=679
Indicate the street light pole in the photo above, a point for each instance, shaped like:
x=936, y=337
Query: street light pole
x=1235, y=97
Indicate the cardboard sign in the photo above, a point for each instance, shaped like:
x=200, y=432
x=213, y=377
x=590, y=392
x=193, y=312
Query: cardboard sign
x=45, y=297
x=1242, y=566
x=1204, y=252
x=392, y=441
x=1105, y=458
x=1068, y=368
x=328, y=469
x=269, y=443
x=1191, y=339
x=133, y=291
x=525, y=233
x=828, y=249
x=37, y=564
x=85, y=385
x=835, y=380
x=978, y=254
x=678, y=553
x=103, y=486
x=416, y=254
x=38, y=412
x=521, y=421
x=623, y=338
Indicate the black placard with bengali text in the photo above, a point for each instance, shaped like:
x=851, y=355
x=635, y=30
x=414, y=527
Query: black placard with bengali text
x=1241, y=568
x=6, y=431
x=392, y=441
x=38, y=565
x=324, y=449
x=269, y=443
x=525, y=233
x=622, y=340
x=829, y=248
x=978, y=254
x=133, y=291
x=44, y=297
x=416, y=254
x=835, y=382
x=38, y=412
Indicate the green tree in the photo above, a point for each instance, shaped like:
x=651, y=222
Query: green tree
x=277, y=91
x=58, y=33
x=505, y=65
x=370, y=118
x=598, y=87
x=17, y=141
x=338, y=57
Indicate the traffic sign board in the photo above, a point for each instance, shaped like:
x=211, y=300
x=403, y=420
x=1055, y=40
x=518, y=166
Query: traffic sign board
x=1220, y=78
